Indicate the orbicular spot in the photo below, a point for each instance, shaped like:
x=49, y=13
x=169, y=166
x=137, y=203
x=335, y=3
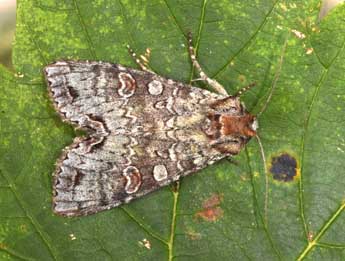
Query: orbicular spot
x=133, y=179
x=284, y=167
x=160, y=172
x=155, y=87
x=127, y=85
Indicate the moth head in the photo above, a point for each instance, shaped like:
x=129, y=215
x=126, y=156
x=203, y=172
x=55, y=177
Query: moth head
x=231, y=125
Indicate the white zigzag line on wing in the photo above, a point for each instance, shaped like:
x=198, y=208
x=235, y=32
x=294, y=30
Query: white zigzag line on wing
x=130, y=116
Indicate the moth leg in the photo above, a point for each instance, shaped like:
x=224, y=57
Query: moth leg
x=143, y=60
x=213, y=83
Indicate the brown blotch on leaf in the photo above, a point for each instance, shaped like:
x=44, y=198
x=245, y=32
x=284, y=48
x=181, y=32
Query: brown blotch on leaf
x=284, y=167
x=211, y=211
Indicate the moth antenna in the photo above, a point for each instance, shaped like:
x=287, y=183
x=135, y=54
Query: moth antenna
x=262, y=152
x=244, y=89
x=143, y=60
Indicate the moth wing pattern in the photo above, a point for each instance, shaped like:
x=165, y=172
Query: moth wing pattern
x=143, y=132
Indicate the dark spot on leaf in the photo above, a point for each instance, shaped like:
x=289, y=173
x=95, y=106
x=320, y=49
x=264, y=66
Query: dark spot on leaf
x=211, y=210
x=284, y=167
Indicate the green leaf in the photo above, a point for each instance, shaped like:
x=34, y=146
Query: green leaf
x=225, y=212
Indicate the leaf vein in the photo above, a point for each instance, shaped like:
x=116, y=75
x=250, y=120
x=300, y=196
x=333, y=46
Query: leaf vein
x=330, y=245
x=256, y=209
x=174, y=18
x=83, y=25
x=322, y=231
x=144, y=226
x=247, y=43
x=34, y=223
x=173, y=222
x=15, y=254
x=304, y=137
x=39, y=49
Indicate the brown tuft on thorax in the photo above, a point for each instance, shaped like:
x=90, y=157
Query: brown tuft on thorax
x=237, y=125
x=229, y=133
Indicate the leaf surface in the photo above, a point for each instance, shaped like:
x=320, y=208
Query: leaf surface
x=225, y=212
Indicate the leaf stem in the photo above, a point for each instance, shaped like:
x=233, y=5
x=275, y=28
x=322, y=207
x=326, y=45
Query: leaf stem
x=311, y=244
x=173, y=221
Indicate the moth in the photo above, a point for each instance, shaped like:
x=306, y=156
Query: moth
x=144, y=131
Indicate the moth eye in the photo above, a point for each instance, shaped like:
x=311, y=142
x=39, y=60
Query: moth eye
x=239, y=140
x=243, y=139
x=235, y=141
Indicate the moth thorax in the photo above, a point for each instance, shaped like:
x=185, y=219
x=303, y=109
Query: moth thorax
x=229, y=133
x=238, y=125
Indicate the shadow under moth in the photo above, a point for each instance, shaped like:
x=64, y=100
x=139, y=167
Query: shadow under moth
x=144, y=131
